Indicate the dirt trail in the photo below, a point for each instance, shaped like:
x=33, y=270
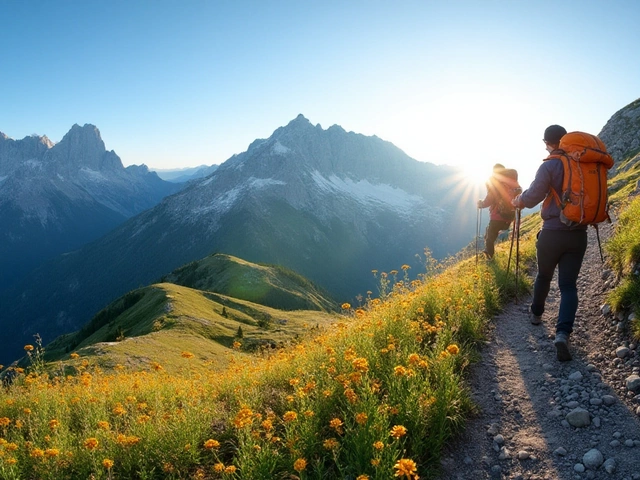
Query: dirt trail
x=525, y=394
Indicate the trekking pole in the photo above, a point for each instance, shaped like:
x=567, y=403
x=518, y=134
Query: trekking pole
x=517, y=227
x=513, y=232
x=478, y=220
x=599, y=245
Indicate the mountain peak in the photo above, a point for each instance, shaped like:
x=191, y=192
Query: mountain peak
x=83, y=147
x=299, y=121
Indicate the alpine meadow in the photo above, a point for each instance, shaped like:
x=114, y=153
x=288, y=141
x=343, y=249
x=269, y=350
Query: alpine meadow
x=187, y=342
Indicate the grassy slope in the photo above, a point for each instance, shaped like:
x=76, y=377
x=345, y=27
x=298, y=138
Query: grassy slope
x=168, y=319
x=270, y=285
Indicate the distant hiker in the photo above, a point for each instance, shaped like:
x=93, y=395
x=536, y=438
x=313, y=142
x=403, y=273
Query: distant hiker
x=557, y=245
x=502, y=187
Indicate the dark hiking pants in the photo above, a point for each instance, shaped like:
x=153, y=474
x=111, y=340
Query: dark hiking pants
x=491, y=234
x=564, y=249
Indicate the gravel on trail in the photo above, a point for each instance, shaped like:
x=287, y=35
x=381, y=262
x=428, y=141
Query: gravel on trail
x=539, y=418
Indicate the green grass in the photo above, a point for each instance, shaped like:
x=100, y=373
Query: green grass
x=166, y=319
x=270, y=285
x=624, y=251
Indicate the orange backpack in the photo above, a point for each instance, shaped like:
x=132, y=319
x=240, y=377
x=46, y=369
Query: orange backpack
x=583, y=200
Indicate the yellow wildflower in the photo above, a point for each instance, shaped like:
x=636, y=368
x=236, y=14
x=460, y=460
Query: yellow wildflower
x=398, y=431
x=346, y=306
x=360, y=364
x=336, y=424
x=37, y=453
x=378, y=445
x=74, y=355
x=300, y=464
x=91, y=443
x=53, y=424
x=218, y=467
x=290, y=416
x=52, y=452
x=103, y=425
x=406, y=468
x=453, y=349
x=186, y=354
x=330, y=443
x=28, y=348
x=211, y=443
x=361, y=418
x=119, y=409
x=230, y=469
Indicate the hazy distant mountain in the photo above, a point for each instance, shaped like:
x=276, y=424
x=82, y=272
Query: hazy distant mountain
x=181, y=175
x=329, y=204
x=56, y=198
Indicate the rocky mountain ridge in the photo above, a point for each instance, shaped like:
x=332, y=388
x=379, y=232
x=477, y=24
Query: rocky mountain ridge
x=57, y=197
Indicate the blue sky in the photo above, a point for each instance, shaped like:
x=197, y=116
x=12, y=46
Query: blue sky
x=183, y=83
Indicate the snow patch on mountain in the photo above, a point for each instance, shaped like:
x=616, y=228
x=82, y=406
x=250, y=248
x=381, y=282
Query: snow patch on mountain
x=254, y=182
x=93, y=175
x=226, y=200
x=367, y=193
x=33, y=164
x=279, y=149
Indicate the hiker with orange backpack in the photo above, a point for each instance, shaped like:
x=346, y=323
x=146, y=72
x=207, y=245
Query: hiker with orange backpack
x=566, y=212
x=502, y=187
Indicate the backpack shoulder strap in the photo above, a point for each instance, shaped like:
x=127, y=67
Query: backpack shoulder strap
x=565, y=165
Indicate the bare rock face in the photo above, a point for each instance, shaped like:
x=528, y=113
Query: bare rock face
x=55, y=198
x=621, y=134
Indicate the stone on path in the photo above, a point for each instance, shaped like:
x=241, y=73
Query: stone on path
x=593, y=459
x=578, y=417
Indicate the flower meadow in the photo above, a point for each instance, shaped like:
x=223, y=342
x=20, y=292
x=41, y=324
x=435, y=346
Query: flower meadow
x=375, y=396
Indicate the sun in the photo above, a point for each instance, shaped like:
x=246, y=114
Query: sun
x=475, y=174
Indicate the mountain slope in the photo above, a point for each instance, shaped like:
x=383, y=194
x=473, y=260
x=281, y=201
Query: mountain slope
x=328, y=204
x=57, y=197
x=155, y=324
x=269, y=285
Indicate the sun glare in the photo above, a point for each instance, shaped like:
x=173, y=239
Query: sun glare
x=475, y=174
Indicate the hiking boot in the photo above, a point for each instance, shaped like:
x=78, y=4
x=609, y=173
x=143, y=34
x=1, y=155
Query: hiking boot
x=534, y=319
x=562, y=346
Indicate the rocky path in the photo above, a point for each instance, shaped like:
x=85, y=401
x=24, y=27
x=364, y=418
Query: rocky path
x=543, y=419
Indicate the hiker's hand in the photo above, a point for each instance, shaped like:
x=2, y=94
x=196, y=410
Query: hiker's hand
x=480, y=204
x=516, y=202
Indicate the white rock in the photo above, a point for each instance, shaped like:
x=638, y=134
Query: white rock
x=593, y=459
x=523, y=455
